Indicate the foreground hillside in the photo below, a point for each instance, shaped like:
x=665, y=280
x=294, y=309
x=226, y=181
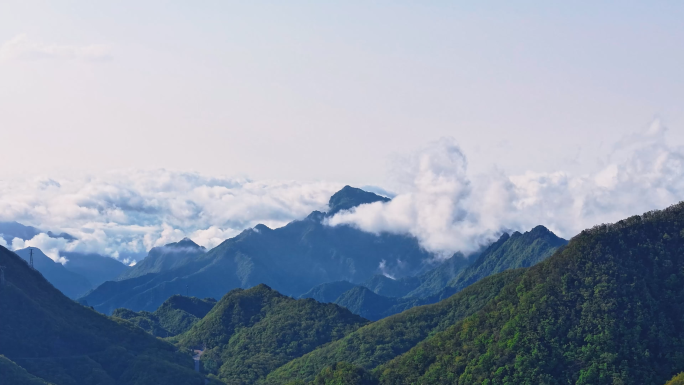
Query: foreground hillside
x=379, y=342
x=607, y=309
x=73, y=285
x=14, y=374
x=64, y=343
x=251, y=332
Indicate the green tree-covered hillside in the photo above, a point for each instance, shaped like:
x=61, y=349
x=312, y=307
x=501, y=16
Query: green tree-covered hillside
x=251, y=332
x=176, y=315
x=606, y=309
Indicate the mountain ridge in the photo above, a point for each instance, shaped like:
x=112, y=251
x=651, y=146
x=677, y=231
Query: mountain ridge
x=291, y=259
x=605, y=309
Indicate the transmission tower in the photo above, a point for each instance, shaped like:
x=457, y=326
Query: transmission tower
x=31, y=257
x=2, y=276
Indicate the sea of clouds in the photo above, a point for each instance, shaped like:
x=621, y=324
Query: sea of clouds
x=125, y=213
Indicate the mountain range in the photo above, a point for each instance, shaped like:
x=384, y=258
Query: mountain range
x=81, y=272
x=291, y=259
x=509, y=252
x=605, y=308
x=308, y=250
x=176, y=315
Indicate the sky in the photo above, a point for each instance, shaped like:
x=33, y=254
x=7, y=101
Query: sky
x=126, y=120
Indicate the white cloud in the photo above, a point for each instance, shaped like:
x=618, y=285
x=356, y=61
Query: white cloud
x=21, y=47
x=212, y=236
x=49, y=246
x=126, y=213
x=448, y=210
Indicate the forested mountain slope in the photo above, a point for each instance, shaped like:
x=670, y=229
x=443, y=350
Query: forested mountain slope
x=606, y=309
x=251, y=332
x=176, y=315
x=64, y=343
x=379, y=342
x=13, y=374
x=510, y=252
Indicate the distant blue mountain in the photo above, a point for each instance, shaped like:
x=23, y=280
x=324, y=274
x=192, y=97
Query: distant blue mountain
x=291, y=259
x=11, y=230
x=71, y=284
x=165, y=258
x=95, y=267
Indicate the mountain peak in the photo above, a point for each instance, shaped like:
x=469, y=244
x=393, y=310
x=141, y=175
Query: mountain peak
x=261, y=227
x=185, y=243
x=350, y=197
x=539, y=230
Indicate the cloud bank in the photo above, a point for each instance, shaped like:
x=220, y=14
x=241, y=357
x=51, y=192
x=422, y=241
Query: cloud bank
x=449, y=210
x=21, y=47
x=125, y=213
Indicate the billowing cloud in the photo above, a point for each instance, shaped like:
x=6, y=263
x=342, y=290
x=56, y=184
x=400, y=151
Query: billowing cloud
x=21, y=47
x=449, y=210
x=125, y=213
x=49, y=246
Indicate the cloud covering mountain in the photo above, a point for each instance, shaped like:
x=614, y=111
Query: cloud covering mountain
x=126, y=213
x=450, y=210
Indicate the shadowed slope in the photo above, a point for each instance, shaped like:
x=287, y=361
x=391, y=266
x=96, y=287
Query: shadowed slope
x=71, y=284
x=56, y=339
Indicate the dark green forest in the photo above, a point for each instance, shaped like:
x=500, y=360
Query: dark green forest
x=251, y=332
x=676, y=380
x=606, y=309
x=175, y=316
x=383, y=340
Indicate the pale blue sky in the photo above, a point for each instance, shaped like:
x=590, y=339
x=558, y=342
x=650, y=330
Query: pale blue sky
x=331, y=90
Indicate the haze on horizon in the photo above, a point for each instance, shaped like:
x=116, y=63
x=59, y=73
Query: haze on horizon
x=133, y=124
